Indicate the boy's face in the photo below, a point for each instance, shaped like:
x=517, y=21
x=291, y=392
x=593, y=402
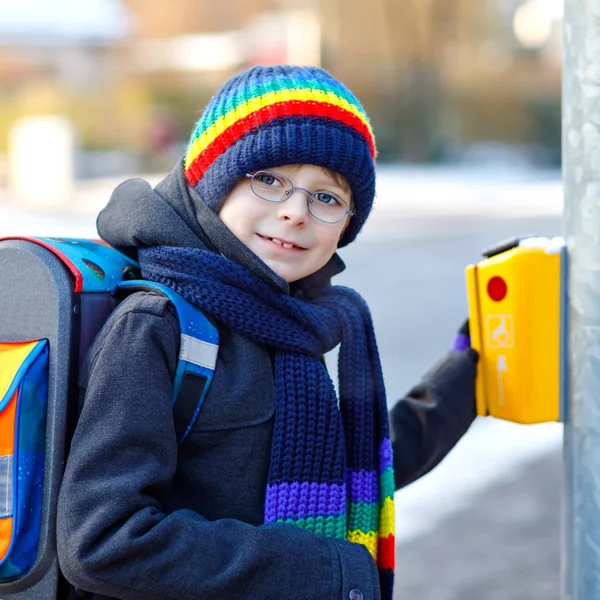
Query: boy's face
x=257, y=223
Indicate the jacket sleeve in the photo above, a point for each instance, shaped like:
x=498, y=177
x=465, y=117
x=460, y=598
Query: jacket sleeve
x=433, y=416
x=115, y=539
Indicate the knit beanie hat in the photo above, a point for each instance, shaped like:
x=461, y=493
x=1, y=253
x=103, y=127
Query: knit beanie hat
x=282, y=115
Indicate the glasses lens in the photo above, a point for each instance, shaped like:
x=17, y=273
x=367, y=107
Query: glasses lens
x=326, y=206
x=271, y=186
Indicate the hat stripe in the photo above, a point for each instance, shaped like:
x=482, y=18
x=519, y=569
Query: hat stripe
x=218, y=109
x=209, y=129
x=197, y=163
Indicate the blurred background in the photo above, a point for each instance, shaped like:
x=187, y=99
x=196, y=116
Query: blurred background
x=465, y=101
x=444, y=81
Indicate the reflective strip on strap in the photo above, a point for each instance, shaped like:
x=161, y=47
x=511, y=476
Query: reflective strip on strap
x=6, y=486
x=197, y=352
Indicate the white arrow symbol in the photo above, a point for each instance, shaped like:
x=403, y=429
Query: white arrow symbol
x=501, y=367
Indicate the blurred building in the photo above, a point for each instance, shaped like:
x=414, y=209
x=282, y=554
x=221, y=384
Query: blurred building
x=59, y=60
x=436, y=76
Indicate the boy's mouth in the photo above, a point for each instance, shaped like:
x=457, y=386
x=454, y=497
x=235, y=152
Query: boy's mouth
x=284, y=243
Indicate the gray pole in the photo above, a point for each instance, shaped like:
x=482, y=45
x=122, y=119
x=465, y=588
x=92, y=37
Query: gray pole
x=581, y=176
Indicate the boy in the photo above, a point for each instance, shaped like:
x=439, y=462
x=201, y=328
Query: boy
x=279, y=491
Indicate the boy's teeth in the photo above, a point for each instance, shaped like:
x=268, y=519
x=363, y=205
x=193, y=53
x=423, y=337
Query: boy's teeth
x=284, y=244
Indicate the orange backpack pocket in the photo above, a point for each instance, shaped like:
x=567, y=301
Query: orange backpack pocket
x=23, y=402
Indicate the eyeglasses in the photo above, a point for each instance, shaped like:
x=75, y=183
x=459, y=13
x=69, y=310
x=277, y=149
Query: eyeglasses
x=323, y=205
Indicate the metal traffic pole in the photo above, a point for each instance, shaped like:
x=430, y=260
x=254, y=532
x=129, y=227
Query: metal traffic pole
x=581, y=359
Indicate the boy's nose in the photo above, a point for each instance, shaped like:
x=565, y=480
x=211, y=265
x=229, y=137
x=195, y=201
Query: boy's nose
x=295, y=208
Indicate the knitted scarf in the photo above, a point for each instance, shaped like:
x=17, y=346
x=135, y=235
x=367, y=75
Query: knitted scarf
x=331, y=466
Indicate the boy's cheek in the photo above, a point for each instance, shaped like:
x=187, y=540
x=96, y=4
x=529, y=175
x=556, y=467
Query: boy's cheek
x=344, y=228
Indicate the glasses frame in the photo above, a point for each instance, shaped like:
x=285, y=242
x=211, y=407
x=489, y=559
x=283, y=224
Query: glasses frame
x=288, y=193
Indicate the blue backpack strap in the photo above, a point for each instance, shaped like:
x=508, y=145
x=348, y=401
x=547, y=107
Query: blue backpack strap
x=199, y=346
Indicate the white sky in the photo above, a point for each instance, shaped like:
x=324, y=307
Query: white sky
x=79, y=19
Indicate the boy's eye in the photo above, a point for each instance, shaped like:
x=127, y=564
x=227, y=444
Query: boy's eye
x=268, y=179
x=327, y=198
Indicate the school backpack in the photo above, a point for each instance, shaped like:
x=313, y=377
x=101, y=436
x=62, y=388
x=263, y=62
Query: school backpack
x=55, y=295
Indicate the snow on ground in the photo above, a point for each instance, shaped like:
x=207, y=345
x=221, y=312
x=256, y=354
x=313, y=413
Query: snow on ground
x=493, y=451
x=428, y=191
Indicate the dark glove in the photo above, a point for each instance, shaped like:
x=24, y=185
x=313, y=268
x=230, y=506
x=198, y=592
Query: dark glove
x=434, y=415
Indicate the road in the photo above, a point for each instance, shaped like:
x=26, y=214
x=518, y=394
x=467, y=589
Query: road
x=496, y=543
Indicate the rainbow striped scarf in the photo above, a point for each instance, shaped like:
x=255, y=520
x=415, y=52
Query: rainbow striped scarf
x=331, y=466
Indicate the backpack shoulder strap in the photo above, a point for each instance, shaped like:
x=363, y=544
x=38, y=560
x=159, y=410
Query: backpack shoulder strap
x=199, y=346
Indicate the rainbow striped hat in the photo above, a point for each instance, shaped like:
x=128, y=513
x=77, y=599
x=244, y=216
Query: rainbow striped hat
x=281, y=115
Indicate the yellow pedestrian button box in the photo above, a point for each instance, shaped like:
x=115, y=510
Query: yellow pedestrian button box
x=515, y=324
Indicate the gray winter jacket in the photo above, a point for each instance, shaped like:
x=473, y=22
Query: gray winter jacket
x=139, y=519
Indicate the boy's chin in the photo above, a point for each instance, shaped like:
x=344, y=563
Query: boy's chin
x=287, y=273
x=291, y=271
x=291, y=276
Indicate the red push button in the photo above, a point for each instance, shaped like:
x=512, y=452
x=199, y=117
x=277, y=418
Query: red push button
x=497, y=289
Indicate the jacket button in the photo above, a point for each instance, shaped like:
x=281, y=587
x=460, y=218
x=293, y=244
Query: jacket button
x=355, y=595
